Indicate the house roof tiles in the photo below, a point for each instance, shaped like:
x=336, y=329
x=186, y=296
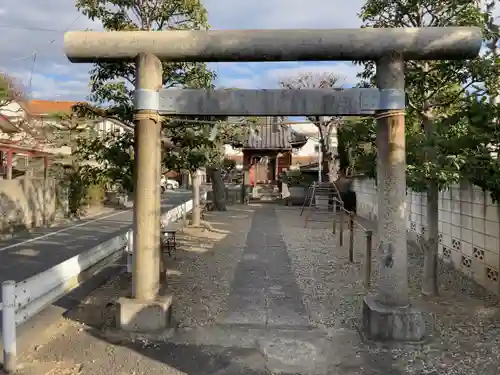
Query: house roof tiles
x=271, y=135
x=46, y=107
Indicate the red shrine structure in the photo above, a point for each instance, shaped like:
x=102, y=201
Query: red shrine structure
x=268, y=151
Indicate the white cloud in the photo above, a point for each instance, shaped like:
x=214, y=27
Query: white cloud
x=275, y=14
x=345, y=70
x=55, y=78
x=37, y=27
x=268, y=75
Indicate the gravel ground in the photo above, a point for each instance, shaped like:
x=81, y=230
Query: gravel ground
x=200, y=279
x=464, y=321
x=199, y=273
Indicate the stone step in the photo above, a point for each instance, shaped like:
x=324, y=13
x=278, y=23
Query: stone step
x=286, y=350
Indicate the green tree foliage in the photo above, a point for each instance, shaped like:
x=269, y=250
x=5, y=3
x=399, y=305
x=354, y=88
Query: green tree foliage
x=439, y=92
x=356, y=140
x=112, y=83
x=228, y=165
x=441, y=136
x=68, y=129
x=64, y=129
x=483, y=165
x=197, y=142
x=202, y=145
x=109, y=159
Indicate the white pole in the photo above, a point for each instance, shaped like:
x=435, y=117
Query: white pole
x=184, y=212
x=320, y=163
x=130, y=249
x=9, y=326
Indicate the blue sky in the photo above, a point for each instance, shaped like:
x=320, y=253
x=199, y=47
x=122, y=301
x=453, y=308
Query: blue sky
x=268, y=75
x=35, y=26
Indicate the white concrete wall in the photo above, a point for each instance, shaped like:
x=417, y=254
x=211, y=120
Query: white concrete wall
x=310, y=130
x=230, y=151
x=107, y=126
x=12, y=109
x=28, y=203
x=469, y=227
x=309, y=149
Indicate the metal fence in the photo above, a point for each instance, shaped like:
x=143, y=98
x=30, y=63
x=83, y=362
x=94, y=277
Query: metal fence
x=348, y=217
x=25, y=299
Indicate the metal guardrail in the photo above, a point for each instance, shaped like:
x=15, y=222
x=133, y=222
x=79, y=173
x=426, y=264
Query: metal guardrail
x=352, y=222
x=25, y=299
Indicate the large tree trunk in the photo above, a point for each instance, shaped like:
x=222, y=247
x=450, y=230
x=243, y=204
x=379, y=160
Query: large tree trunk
x=196, y=213
x=244, y=183
x=185, y=180
x=218, y=190
x=431, y=242
x=333, y=173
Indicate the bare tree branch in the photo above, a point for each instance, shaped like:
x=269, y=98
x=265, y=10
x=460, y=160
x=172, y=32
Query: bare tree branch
x=325, y=125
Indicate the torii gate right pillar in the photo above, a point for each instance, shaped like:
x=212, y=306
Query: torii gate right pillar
x=387, y=314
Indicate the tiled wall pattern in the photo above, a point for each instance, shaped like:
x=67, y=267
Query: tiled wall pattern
x=469, y=227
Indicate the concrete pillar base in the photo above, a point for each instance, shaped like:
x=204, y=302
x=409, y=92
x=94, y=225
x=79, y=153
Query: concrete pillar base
x=386, y=323
x=144, y=316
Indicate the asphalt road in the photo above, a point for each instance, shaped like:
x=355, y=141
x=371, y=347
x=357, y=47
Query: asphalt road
x=31, y=253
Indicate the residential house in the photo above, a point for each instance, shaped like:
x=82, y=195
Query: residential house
x=309, y=154
x=25, y=133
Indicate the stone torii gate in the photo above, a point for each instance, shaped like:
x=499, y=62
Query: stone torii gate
x=387, y=313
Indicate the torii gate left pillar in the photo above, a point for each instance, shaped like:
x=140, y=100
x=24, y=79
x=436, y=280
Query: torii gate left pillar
x=386, y=313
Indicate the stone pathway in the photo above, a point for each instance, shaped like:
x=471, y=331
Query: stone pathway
x=264, y=290
x=264, y=295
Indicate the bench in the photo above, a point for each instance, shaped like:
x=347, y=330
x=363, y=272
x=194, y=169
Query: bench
x=204, y=207
x=168, y=238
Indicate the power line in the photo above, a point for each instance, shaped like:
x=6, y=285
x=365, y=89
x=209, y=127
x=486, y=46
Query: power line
x=29, y=28
x=35, y=52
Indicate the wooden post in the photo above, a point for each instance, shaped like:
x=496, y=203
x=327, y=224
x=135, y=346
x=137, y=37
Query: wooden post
x=341, y=228
x=351, y=238
x=8, y=174
x=196, y=214
x=145, y=281
x=334, y=229
x=45, y=167
x=368, y=259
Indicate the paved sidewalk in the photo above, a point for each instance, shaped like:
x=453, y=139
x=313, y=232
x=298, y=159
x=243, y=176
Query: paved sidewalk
x=264, y=295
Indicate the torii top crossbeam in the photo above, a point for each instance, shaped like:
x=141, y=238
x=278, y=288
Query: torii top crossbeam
x=430, y=43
